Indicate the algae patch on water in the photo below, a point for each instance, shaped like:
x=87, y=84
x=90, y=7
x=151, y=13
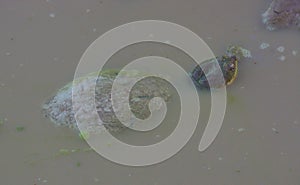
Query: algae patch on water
x=20, y=128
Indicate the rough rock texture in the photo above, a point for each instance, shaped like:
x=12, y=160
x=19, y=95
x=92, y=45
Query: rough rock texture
x=282, y=14
x=60, y=111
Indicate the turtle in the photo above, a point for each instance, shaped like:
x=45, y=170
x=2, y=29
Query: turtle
x=208, y=71
x=228, y=66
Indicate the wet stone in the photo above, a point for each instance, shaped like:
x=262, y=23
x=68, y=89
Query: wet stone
x=282, y=14
x=60, y=111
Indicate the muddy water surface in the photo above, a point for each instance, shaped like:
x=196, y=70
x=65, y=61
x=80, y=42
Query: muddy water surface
x=42, y=42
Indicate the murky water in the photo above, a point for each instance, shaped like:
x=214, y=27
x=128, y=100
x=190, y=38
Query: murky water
x=42, y=42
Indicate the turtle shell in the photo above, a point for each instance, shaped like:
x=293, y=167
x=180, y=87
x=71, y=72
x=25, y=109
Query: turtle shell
x=208, y=71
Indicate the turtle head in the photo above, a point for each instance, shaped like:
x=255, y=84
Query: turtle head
x=229, y=66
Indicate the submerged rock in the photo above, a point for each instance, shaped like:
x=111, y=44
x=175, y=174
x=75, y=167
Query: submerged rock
x=228, y=64
x=282, y=14
x=60, y=111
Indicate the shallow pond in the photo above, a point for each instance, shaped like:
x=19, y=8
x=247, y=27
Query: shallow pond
x=41, y=45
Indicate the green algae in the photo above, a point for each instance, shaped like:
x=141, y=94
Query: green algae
x=20, y=128
x=84, y=135
x=231, y=99
x=107, y=73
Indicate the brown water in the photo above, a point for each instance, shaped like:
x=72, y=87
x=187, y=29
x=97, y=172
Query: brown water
x=39, y=54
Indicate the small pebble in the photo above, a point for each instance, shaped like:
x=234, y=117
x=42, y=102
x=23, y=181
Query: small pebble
x=283, y=153
x=7, y=53
x=282, y=58
x=52, y=15
x=88, y=10
x=275, y=130
x=246, y=53
x=294, y=52
x=220, y=158
x=241, y=130
x=167, y=42
x=280, y=49
x=43, y=181
x=94, y=30
x=264, y=45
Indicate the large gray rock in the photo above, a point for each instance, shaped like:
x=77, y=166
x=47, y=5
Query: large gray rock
x=60, y=111
x=282, y=14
